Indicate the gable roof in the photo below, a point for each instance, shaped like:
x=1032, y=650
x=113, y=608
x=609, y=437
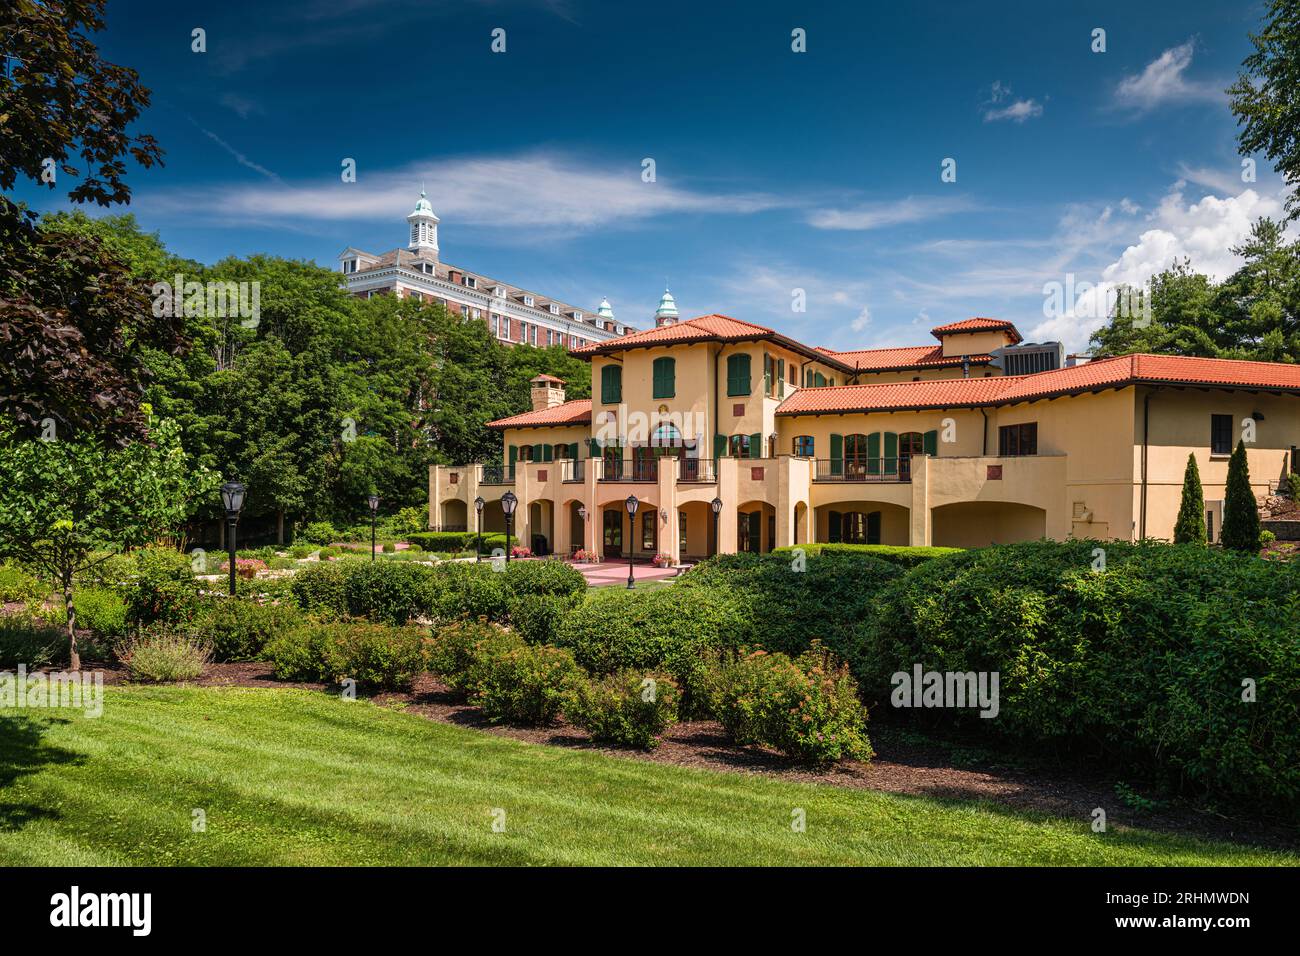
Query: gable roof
x=978, y=324
x=910, y=357
x=707, y=328
x=1118, y=372
x=576, y=412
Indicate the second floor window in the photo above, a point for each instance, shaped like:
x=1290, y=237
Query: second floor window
x=665, y=377
x=738, y=375
x=1018, y=439
x=803, y=446
x=611, y=385
x=1220, y=434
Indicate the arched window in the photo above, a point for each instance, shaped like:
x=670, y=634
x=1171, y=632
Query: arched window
x=803, y=446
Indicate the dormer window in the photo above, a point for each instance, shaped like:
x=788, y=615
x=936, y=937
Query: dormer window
x=528, y=301
x=555, y=309
x=577, y=316
x=471, y=282
x=349, y=265
x=499, y=292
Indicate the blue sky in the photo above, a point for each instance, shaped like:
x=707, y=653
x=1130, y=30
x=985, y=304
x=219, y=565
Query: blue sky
x=774, y=170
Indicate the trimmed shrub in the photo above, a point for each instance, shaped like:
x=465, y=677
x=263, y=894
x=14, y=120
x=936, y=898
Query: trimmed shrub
x=300, y=551
x=630, y=707
x=319, y=588
x=376, y=656
x=159, y=653
x=17, y=585
x=320, y=532
x=528, y=684
x=458, y=649
x=444, y=541
x=537, y=617
x=468, y=590
x=903, y=555
x=1190, y=526
x=1240, y=530
x=806, y=707
x=101, y=611
x=544, y=577
x=782, y=608
x=391, y=592
x=238, y=630
x=31, y=641
x=1141, y=664
x=164, y=588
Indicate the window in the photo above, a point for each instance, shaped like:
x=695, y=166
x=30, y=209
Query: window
x=555, y=309
x=577, y=316
x=611, y=385
x=528, y=300
x=1220, y=434
x=349, y=265
x=665, y=377
x=1018, y=439
x=534, y=333
x=738, y=375
x=499, y=292
x=681, y=533
x=470, y=282
x=803, y=446
x=739, y=446
x=649, y=530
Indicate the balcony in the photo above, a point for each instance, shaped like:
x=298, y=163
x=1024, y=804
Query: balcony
x=699, y=470
x=573, y=469
x=864, y=469
x=496, y=475
x=620, y=469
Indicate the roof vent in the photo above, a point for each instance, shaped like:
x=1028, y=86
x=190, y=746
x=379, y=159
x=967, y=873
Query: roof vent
x=1029, y=358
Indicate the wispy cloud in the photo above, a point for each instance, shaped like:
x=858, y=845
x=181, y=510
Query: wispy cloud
x=238, y=156
x=1017, y=111
x=878, y=215
x=240, y=104
x=542, y=192
x=1163, y=81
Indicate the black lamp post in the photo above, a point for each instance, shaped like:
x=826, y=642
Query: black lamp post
x=631, y=511
x=582, y=513
x=508, y=504
x=373, y=501
x=716, y=505
x=232, y=498
x=478, y=548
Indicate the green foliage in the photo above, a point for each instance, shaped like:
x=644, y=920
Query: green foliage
x=903, y=555
x=376, y=656
x=320, y=588
x=806, y=707
x=1190, y=526
x=320, y=532
x=1141, y=664
x=159, y=654
x=1240, y=512
x=101, y=610
x=537, y=617
x=17, y=585
x=630, y=707
x=458, y=649
x=388, y=591
x=163, y=589
x=238, y=630
x=544, y=577
x=29, y=640
x=410, y=521
x=528, y=684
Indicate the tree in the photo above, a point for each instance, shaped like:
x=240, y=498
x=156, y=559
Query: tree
x=68, y=504
x=1240, y=512
x=1266, y=96
x=1190, y=527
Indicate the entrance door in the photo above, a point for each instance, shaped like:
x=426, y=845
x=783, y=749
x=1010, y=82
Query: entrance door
x=909, y=444
x=613, y=533
x=748, y=531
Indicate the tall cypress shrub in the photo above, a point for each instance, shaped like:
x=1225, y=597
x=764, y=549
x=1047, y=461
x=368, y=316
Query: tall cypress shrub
x=1190, y=527
x=1240, y=513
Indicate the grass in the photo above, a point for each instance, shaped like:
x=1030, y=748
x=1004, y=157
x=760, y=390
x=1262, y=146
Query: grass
x=298, y=777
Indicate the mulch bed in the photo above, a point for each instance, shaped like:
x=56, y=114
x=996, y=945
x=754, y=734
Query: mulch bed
x=905, y=763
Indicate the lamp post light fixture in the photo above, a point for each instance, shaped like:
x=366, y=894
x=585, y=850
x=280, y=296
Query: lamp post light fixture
x=232, y=499
x=716, y=505
x=373, y=501
x=478, y=548
x=508, y=504
x=632, y=504
x=582, y=513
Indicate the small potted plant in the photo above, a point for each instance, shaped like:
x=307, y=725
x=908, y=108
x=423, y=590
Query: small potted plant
x=583, y=556
x=519, y=551
x=662, y=561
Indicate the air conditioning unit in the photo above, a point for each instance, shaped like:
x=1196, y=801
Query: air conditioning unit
x=1029, y=358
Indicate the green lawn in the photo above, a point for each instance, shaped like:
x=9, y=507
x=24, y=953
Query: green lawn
x=297, y=777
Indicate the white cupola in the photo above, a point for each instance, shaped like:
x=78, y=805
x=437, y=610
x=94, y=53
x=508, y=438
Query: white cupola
x=424, y=227
x=605, y=310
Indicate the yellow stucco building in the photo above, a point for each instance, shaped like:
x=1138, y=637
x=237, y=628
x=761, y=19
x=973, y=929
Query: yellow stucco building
x=926, y=445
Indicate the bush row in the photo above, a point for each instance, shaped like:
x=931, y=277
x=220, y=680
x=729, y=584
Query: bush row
x=450, y=542
x=904, y=555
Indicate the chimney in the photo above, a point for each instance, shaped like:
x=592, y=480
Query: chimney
x=548, y=392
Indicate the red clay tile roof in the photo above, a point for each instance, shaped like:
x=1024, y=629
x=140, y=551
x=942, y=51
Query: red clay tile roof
x=706, y=328
x=1116, y=372
x=546, y=378
x=576, y=412
x=916, y=356
x=977, y=325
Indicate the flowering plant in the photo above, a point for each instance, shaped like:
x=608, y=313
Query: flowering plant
x=246, y=568
x=519, y=551
x=662, y=561
x=590, y=557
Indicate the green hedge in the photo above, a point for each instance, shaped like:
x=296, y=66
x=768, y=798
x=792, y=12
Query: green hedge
x=632, y=707
x=450, y=542
x=376, y=656
x=903, y=555
x=239, y=630
x=1142, y=663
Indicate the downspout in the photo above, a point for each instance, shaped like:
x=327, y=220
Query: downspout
x=984, y=440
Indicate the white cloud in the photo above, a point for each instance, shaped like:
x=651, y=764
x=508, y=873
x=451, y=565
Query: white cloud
x=1162, y=81
x=535, y=191
x=1017, y=112
x=239, y=157
x=240, y=104
x=862, y=321
x=878, y=215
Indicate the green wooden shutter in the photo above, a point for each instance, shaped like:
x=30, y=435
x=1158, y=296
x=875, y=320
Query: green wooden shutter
x=931, y=440
x=738, y=375
x=593, y=447
x=780, y=377
x=873, y=453
x=767, y=374
x=611, y=385
x=537, y=452
x=719, y=446
x=548, y=452
x=756, y=445
x=837, y=454
x=514, y=456
x=835, y=527
x=891, y=453
x=573, y=450
x=665, y=377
